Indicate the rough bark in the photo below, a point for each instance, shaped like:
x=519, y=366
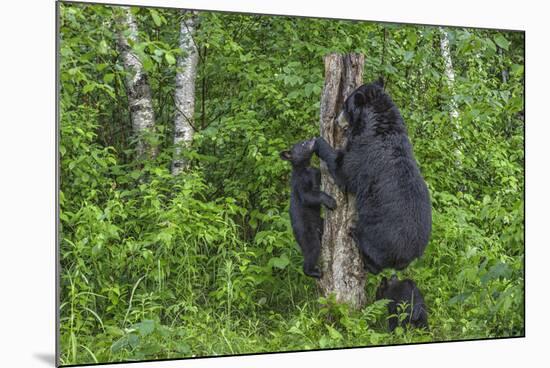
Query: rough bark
x=342, y=267
x=136, y=82
x=184, y=95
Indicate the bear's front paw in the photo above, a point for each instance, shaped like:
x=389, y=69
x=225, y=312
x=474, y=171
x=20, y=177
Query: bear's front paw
x=370, y=268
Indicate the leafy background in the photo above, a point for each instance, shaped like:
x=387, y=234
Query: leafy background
x=204, y=263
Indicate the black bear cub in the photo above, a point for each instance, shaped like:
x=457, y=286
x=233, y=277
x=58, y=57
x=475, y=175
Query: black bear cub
x=306, y=198
x=399, y=292
x=378, y=166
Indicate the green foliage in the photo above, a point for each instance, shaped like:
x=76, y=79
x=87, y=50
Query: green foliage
x=205, y=263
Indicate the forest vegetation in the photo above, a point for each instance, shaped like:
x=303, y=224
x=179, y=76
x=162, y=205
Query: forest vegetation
x=157, y=262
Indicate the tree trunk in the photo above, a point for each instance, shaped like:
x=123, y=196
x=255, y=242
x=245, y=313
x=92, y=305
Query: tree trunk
x=449, y=72
x=185, y=93
x=136, y=82
x=450, y=78
x=342, y=266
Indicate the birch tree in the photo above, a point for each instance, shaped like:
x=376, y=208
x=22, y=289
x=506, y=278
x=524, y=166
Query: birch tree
x=450, y=79
x=184, y=95
x=342, y=266
x=136, y=83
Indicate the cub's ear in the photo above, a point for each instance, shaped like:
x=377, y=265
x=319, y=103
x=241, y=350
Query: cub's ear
x=380, y=82
x=382, y=288
x=359, y=99
x=285, y=155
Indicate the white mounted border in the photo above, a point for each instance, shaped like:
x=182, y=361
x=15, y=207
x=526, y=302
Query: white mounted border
x=27, y=187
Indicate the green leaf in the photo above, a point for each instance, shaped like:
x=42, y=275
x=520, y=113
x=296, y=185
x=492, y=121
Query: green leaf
x=333, y=333
x=490, y=44
x=516, y=69
x=502, y=42
x=147, y=63
x=101, y=66
x=96, y=250
x=498, y=270
x=295, y=330
x=279, y=262
x=65, y=51
x=88, y=87
x=103, y=47
x=145, y=327
x=309, y=89
x=114, y=331
x=119, y=344
x=170, y=59
x=183, y=348
x=133, y=340
x=108, y=78
x=156, y=17
x=459, y=298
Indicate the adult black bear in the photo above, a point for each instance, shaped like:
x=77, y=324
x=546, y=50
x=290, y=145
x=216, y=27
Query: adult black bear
x=399, y=292
x=378, y=166
x=306, y=198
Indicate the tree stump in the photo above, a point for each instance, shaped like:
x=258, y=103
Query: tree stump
x=341, y=263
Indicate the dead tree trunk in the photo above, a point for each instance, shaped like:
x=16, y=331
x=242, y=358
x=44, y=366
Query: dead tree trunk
x=136, y=82
x=185, y=93
x=342, y=266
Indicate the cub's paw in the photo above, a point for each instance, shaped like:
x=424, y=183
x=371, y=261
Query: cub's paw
x=315, y=273
x=330, y=203
x=315, y=144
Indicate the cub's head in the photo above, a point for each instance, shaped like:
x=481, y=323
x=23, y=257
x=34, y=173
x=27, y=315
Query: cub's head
x=353, y=116
x=385, y=286
x=300, y=154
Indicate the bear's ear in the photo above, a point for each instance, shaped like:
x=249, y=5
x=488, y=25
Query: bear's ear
x=285, y=155
x=382, y=288
x=359, y=99
x=380, y=82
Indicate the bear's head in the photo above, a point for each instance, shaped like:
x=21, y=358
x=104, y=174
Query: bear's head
x=300, y=154
x=385, y=286
x=368, y=98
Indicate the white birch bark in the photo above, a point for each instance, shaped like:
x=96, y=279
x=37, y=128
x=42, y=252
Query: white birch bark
x=449, y=72
x=137, y=84
x=450, y=78
x=185, y=93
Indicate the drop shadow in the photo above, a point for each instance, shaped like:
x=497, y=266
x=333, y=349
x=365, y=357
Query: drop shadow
x=46, y=358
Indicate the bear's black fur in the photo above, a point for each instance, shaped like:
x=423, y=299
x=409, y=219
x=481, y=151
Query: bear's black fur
x=305, y=204
x=399, y=292
x=378, y=166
